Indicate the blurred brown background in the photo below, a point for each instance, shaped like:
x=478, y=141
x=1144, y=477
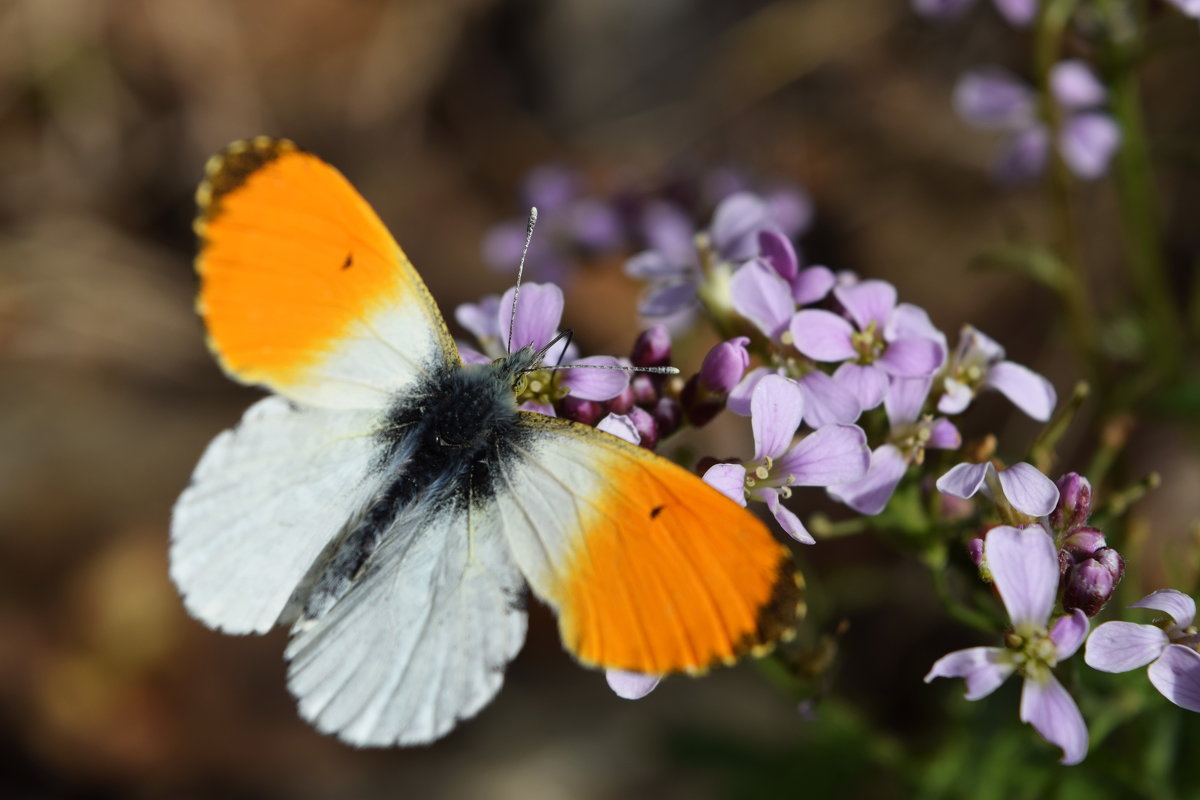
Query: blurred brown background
x=434, y=109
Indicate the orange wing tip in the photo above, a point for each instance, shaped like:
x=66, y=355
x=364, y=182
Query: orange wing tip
x=229, y=169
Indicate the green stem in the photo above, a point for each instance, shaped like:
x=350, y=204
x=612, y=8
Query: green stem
x=1051, y=23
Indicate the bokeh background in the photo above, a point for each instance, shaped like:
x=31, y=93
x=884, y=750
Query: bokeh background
x=435, y=109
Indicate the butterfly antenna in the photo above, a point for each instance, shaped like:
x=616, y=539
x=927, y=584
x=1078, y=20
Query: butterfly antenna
x=567, y=334
x=512, y=320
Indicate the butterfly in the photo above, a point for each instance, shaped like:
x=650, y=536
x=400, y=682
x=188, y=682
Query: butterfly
x=390, y=505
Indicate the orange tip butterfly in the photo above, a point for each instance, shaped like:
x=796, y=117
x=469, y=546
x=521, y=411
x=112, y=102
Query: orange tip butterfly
x=389, y=504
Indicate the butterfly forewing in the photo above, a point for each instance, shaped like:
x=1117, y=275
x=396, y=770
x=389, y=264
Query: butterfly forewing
x=303, y=290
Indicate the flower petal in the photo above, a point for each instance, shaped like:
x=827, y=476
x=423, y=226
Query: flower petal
x=539, y=310
x=912, y=358
x=538, y=408
x=1122, y=646
x=1178, y=605
x=866, y=382
x=620, y=426
x=994, y=98
x=964, y=480
x=832, y=454
x=502, y=245
x=1023, y=157
x=1068, y=633
x=729, y=480
x=470, y=355
x=1027, y=390
x=822, y=335
x=481, y=319
x=867, y=302
x=764, y=298
x=870, y=494
x=983, y=668
x=604, y=382
x=826, y=400
x=1176, y=674
x=905, y=398
x=776, y=409
x=1087, y=143
x=778, y=252
x=652, y=265
x=630, y=685
x=1052, y=712
x=666, y=299
x=790, y=523
x=735, y=225
x=669, y=230
x=943, y=435
x=790, y=209
x=957, y=396
x=912, y=322
x=1024, y=567
x=1028, y=490
x=812, y=284
x=1075, y=86
x=1019, y=13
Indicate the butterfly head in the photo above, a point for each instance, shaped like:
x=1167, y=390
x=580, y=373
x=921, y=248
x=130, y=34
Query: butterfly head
x=530, y=379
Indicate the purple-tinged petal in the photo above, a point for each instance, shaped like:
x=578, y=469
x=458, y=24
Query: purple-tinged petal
x=994, y=98
x=595, y=225
x=620, y=426
x=735, y=225
x=666, y=299
x=538, y=408
x=983, y=668
x=1028, y=490
x=812, y=285
x=1179, y=606
x=725, y=364
x=761, y=296
x=943, y=435
x=912, y=322
x=1176, y=675
x=912, y=358
x=1027, y=390
x=867, y=382
x=870, y=494
x=470, y=355
x=1052, y=712
x=777, y=251
x=1024, y=567
x=956, y=397
x=1122, y=646
x=669, y=230
x=1023, y=157
x=964, y=480
x=776, y=409
x=729, y=480
x=790, y=209
x=790, y=523
x=905, y=398
x=1087, y=143
x=1068, y=633
x=604, y=382
x=832, y=454
x=867, y=302
x=652, y=348
x=822, y=335
x=550, y=187
x=827, y=401
x=539, y=310
x=1019, y=13
x=739, y=397
x=1075, y=86
x=481, y=319
x=975, y=346
x=630, y=685
x=1189, y=7
x=652, y=265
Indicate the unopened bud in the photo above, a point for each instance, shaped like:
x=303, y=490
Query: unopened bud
x=647, y=428
x=652, y=348
x=699, y=404
x=724, y=365
x=975, y=551
x=588, y=412
x=1083, y=543
x=622, y=402
x=1089, y=585
x=1111, y=560
x=668, y=414
x=645, y=393
x=1074, y=503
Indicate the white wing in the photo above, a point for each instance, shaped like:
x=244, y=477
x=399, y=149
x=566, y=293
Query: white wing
x=422, y=637
x=267, y=496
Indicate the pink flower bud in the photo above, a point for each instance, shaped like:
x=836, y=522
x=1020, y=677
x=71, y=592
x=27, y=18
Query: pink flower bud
x=588, y=412
x=645, y=393
x=1089, y=585
x=1111, y=560
x=1074, y=503
x=652, y=348
x=668, y=414
x=622, y=402
x=647, y=428
x=724, y=365
x=1083, y=543
x=975, y=551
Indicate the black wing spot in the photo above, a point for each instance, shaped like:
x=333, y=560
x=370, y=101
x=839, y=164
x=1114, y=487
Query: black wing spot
x=349, y=262
x=654, y=512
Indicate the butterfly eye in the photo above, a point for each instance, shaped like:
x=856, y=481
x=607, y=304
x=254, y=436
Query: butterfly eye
x=521, y=384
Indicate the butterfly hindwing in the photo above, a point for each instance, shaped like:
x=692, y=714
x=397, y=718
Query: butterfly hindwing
x=649, y=569
x=422, y=637
x=302, y=288
x=266, y=498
